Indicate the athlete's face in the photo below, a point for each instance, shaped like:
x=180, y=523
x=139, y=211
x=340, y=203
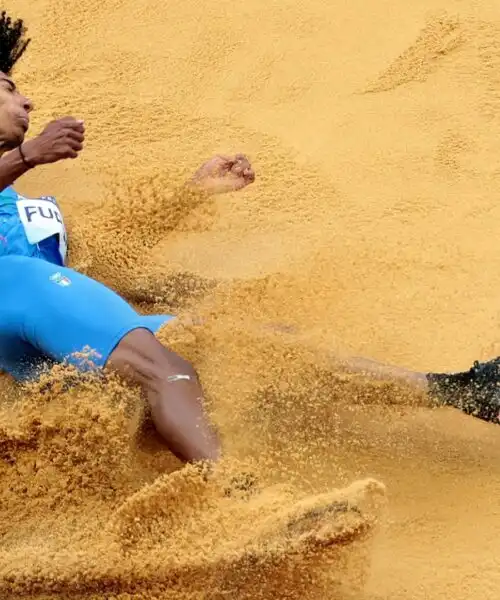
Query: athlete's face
x=14, y=114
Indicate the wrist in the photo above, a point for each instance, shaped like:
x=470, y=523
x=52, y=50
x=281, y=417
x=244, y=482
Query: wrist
x=198, y=187
x=29, y=154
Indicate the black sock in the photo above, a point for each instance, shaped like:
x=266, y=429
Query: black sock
x=447, y=388
x=475, y=392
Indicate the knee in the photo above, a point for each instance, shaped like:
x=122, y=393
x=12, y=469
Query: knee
x=169, y=369
x=142, y=358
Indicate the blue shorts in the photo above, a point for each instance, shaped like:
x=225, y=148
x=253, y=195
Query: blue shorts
x=48, y=313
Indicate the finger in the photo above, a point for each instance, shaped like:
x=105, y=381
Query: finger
x=71, y=123
x=224, y=157
x=74, y=145
x=249, y=175
x=224, y=164
x=241, y=166
x=237, y=170
x=237, y=158
x=67, y=121
x=220, y=165
x=75, y=126
x=71, y=144
x=239, y=184
x=72, y=134
x=241, y=160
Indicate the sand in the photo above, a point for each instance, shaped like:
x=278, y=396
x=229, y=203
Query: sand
x=371, y=228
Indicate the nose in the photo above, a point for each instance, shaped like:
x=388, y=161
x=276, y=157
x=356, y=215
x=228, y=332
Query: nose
x=27, y=104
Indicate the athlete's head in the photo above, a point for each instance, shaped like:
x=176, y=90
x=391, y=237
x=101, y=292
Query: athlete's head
x=14, y=107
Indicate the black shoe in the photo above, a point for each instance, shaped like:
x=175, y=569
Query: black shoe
x=476, y=392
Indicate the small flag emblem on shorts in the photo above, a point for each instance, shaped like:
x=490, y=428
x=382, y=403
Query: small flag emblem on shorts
x=60, y=279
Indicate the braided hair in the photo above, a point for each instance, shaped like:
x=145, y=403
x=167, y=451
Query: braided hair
x=12, y=42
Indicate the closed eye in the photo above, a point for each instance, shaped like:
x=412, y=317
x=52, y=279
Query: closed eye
x=11, y=86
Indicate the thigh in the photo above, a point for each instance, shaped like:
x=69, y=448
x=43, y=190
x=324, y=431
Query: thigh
x=17, y=356
x=64, y=315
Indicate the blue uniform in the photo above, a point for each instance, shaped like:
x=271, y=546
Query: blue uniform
x=48, y=312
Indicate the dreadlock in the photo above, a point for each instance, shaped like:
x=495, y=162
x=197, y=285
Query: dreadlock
x=12, y=42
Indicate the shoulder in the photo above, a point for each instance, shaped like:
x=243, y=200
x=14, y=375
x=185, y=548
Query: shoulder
x=8, y=195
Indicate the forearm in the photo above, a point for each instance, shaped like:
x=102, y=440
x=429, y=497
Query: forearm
x=165, y=213
x=148, y=212
x=11, y=168
x=129, y=225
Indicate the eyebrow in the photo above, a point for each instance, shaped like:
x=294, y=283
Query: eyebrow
x=10, y=82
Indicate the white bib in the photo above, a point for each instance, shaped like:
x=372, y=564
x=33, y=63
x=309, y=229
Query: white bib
x=41, y=219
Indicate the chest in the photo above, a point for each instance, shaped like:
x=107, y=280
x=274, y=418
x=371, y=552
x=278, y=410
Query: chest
x=41, y=219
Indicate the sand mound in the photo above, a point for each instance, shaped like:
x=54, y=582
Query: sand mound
x=79, y=520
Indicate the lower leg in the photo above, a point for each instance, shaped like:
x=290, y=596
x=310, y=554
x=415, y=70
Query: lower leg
x=174, y=394
x=376, y=370
x=357, y=364
x=475, y=392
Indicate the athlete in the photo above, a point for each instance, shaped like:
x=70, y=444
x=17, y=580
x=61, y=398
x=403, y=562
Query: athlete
x=50, y=313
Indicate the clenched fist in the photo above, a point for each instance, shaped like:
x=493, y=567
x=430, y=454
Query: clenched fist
x=59, y=140
x=224, y=174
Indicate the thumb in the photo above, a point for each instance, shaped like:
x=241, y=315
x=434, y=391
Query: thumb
x=239, y=183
